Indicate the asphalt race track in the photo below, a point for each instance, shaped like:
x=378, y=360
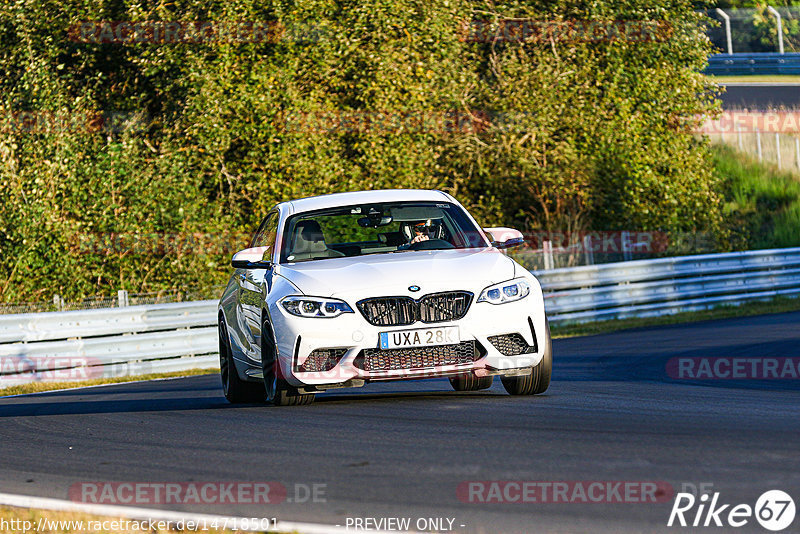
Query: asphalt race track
x=612, y=414
x=760, y=96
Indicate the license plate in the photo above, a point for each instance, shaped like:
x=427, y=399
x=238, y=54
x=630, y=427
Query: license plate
x=421, y=337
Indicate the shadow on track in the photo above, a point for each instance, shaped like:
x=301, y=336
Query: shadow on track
x=57, y=406
x=188, y=383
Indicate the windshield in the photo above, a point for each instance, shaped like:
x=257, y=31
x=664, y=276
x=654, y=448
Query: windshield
x=390, y=227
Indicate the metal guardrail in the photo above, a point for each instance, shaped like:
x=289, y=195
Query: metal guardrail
x=111, y=342
x=28, y=327
x=753, y=63
x=647, y=288
x=181, y=336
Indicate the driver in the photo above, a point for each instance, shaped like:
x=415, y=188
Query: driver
x=422, y=231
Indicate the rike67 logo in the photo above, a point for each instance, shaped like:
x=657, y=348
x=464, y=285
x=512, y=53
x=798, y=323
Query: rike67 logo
x=774, y=510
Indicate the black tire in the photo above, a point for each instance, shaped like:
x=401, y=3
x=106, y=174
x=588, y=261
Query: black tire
x=539, y=379
x=278, y=391
x=470, y=382
x=236, y=390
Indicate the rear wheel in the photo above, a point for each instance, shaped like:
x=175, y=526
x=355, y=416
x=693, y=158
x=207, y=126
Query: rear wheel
x=235, y=389
x=539, y=379
x=278, y=391
x=470, y=382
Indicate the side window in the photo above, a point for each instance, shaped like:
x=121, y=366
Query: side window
x=265, y=236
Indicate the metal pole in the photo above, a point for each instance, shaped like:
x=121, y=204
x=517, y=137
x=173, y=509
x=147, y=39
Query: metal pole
x=758, y=145
x=588, y=250
x=797, y=151
x=739, y=135
x=626, y=245
x=727, y=29
x=778, y=147
x=547, y=248
x=780, y=27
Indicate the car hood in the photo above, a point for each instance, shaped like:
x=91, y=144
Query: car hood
x=360, y=277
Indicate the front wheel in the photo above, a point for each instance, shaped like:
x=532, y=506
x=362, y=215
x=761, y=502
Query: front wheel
x=236, y=390
x=539, y=379
x=278, y=391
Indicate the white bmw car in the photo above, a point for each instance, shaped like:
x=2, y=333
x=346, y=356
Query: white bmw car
x=339, y=290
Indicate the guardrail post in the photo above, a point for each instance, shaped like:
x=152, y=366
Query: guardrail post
x=727, y=20
x=588, y=250
x=122, y=298
x=547, y=249
x=780, y=27
x=626, y=246
x=58, y=302
x=778, y=148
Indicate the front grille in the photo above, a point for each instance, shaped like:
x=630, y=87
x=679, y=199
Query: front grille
x=322, y=360
x=418, y=357
x=440, y=307
x=389, y=311
x=400, y=311
x=511, y=344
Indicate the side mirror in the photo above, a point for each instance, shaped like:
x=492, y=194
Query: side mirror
x=504, y=237
x=252, y=258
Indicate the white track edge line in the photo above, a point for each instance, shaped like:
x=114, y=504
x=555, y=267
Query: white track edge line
x=44, y=503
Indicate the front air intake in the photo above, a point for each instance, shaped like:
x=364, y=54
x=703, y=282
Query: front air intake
x=321, y=360
x=418, y=357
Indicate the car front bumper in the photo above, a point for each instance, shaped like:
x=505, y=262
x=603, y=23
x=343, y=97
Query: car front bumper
x=350, y=333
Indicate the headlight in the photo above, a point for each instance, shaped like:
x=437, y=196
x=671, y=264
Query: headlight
x=315, y=306
x=506, y=292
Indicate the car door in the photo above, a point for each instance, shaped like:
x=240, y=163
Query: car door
x=254, y=286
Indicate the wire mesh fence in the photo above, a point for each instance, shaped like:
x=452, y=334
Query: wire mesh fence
x=554, y=250
x=771, y=137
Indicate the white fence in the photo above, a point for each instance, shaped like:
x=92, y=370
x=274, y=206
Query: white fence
x=173, y=337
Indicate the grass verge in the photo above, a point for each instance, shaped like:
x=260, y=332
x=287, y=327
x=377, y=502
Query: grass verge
x=777, y=305
x=762, y=204
x=38, y=387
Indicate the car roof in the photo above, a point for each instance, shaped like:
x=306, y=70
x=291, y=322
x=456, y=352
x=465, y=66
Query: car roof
x=364, y=197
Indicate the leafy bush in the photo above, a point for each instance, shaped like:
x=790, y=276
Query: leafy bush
x=198, y=140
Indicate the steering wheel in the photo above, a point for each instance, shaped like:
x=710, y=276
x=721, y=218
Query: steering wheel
x=431, y=244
